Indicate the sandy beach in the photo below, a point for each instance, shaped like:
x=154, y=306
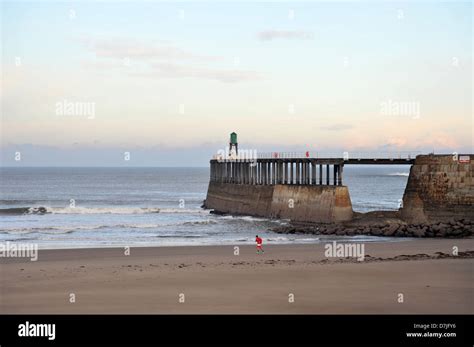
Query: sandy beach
x=214, y=280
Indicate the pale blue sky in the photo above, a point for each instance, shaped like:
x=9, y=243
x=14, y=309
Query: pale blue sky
x=177, y=78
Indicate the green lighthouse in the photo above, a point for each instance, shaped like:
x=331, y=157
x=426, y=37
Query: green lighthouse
x=233, y=145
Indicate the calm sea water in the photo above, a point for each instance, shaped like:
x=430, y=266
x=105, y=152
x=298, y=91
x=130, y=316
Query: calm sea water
x=104, y=207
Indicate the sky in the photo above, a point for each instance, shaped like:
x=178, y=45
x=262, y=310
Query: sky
x=84, y=83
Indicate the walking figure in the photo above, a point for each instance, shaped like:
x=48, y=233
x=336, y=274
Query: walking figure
x=259, y=241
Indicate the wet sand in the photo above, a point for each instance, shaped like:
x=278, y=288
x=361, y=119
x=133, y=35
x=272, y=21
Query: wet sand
x=214, y=280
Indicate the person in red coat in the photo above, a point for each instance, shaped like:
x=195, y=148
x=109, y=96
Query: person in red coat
x=259, y=242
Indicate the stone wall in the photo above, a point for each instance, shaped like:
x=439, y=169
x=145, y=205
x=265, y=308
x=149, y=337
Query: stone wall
x=322, y=204
x=439, y=188
x=311, y=203
x=245, y=199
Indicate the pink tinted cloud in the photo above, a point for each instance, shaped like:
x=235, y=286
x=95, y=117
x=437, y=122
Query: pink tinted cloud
x=135, y=49
x=168, y=70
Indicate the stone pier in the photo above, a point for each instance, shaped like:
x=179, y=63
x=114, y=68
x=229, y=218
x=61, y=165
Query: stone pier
x=439, y=188
x=280, y=188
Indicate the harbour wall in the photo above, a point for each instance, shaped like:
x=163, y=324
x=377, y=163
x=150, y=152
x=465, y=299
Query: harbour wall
x=300, y=203
x=439, y=188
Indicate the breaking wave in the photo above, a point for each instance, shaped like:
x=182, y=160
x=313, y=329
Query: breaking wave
x=97, y=210
x=404, y=174
x=72, y=228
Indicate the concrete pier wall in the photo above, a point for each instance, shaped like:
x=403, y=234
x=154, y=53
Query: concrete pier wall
x=239, y=198
x=322, y=204
x=439, y=188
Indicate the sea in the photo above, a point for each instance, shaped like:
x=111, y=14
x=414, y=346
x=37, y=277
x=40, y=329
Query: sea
x=79, y=207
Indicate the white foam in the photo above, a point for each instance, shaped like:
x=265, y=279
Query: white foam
x=71, y=228
x=405, y=174
x=246, y=218
x=117, y=210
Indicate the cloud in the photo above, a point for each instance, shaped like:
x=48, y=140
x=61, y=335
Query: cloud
x=338, y=127
x=103, y=64
x=121, y=48
x=167, y=70
x=439, y=139
x=269, y=35
x=396, y=142
x=158, y=60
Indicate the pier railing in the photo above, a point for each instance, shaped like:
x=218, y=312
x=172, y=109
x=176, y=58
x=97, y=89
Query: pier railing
x=300, y=168
x=345, y=155
x=349, y=155
x=277, y=171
